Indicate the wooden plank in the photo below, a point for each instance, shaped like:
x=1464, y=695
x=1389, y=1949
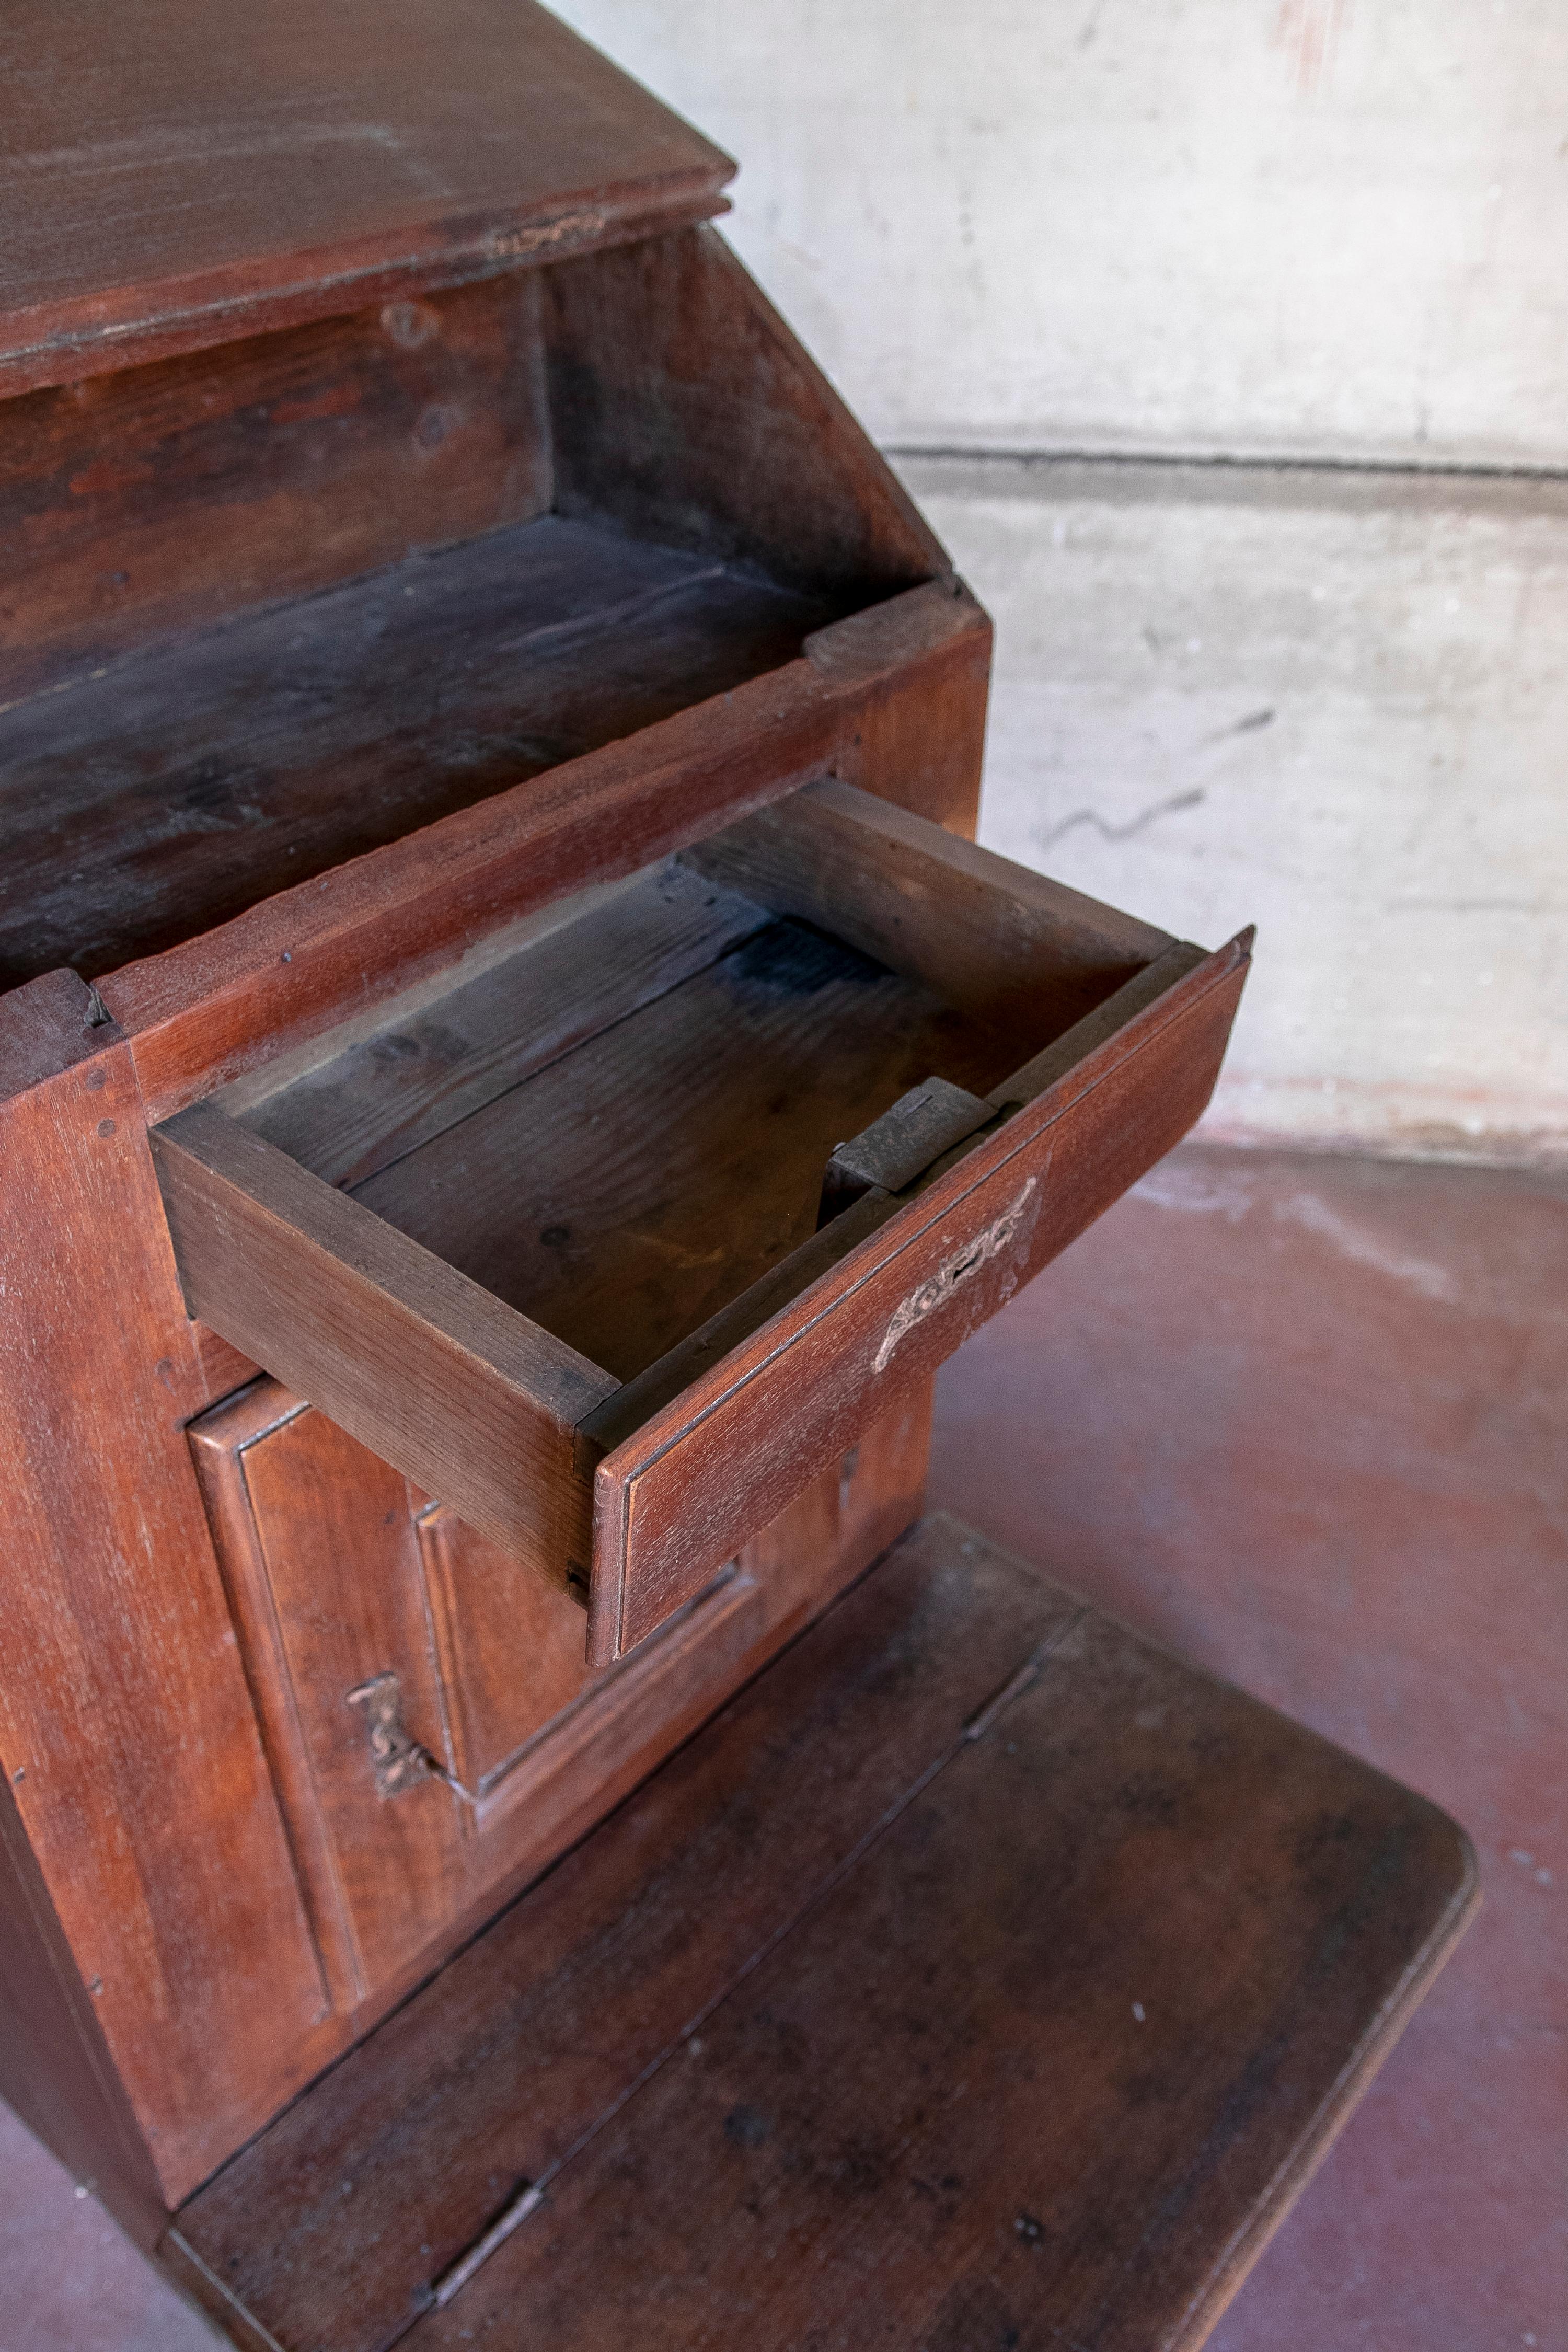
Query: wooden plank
x=170, y=791
x=686, y=411
x=1004, y=942
x=403, y=1081
x=633, y=1187
x=1046, y=2066
x=126, y=1727
x=262, y=983
x=889, y=1298
x=527, y=2037
x=1015, y=2023
x=469, y=1400
x=165, y=190
x=169, y=499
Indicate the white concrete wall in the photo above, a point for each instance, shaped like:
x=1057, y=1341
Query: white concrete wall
x=1313, y=236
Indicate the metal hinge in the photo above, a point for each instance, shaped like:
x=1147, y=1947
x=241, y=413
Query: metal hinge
x=398, y=1759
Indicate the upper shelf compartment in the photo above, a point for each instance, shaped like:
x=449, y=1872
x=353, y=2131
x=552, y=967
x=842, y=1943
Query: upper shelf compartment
x=268, y=607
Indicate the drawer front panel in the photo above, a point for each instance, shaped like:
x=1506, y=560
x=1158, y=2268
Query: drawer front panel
x=681, y=1494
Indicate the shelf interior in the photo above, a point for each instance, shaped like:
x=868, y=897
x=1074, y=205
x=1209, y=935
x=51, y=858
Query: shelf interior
x=175, y=787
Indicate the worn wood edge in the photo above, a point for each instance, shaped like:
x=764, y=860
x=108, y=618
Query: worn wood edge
x=47, y=1026
x=224, y=1002
x=218, y=1440
x=634, y=1427
x=68, y=342
x=836, y=807
x=412, y=1357
x=330, y=1224
x=1338, y=2103
x=1057, y=1060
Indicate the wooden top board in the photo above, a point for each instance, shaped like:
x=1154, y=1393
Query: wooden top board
x=980, y=1977
x=177, y=172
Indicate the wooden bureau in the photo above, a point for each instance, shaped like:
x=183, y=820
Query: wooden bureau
x=513, y=1072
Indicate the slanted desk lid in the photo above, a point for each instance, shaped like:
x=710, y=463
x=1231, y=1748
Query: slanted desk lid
x=178, y=173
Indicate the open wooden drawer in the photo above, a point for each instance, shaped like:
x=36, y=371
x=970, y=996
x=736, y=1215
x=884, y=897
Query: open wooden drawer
x=616, y=1242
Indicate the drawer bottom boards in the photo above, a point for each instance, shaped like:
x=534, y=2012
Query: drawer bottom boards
x=980, y=1976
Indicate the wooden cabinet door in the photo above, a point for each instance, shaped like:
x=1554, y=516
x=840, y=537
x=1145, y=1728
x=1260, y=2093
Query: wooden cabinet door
x=434, y=1732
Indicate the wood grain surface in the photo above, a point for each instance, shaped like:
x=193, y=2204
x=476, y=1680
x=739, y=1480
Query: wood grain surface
x=447, y=1051
x=176, y=175
x=165, y=499
x=318, y=953
x=128, y=1735
x=1045, y=1969
x=165, y=795
x=686, y=410
x=338, y=1572
x=436, y=1375
x=1009, y=945
x=625, y=1192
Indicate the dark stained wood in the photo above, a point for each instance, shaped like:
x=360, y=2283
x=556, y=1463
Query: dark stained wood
x=993, y=936
x=324, y=951
x=418, y=1065
x=635, y=1186
x=779, y=1381
x=685, y=411
x=472, y=1400
x=338, y=1572
x=543, y=2023
x=56, y=2069
x=1013, y=2025
x=901, y=1144
x=624, y=1242
x=168, y=498
x=171, y=793
x=129, y=1739
x=343, y=651
x=173, y=180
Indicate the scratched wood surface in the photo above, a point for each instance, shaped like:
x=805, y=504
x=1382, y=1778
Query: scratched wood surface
x=165, y=188
x=162, y=797
x=1045, y=1969
x=224, y=1002
x=633, y=1187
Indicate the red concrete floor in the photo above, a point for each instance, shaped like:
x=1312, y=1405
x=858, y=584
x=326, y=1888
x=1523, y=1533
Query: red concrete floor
x=1302, y=1419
